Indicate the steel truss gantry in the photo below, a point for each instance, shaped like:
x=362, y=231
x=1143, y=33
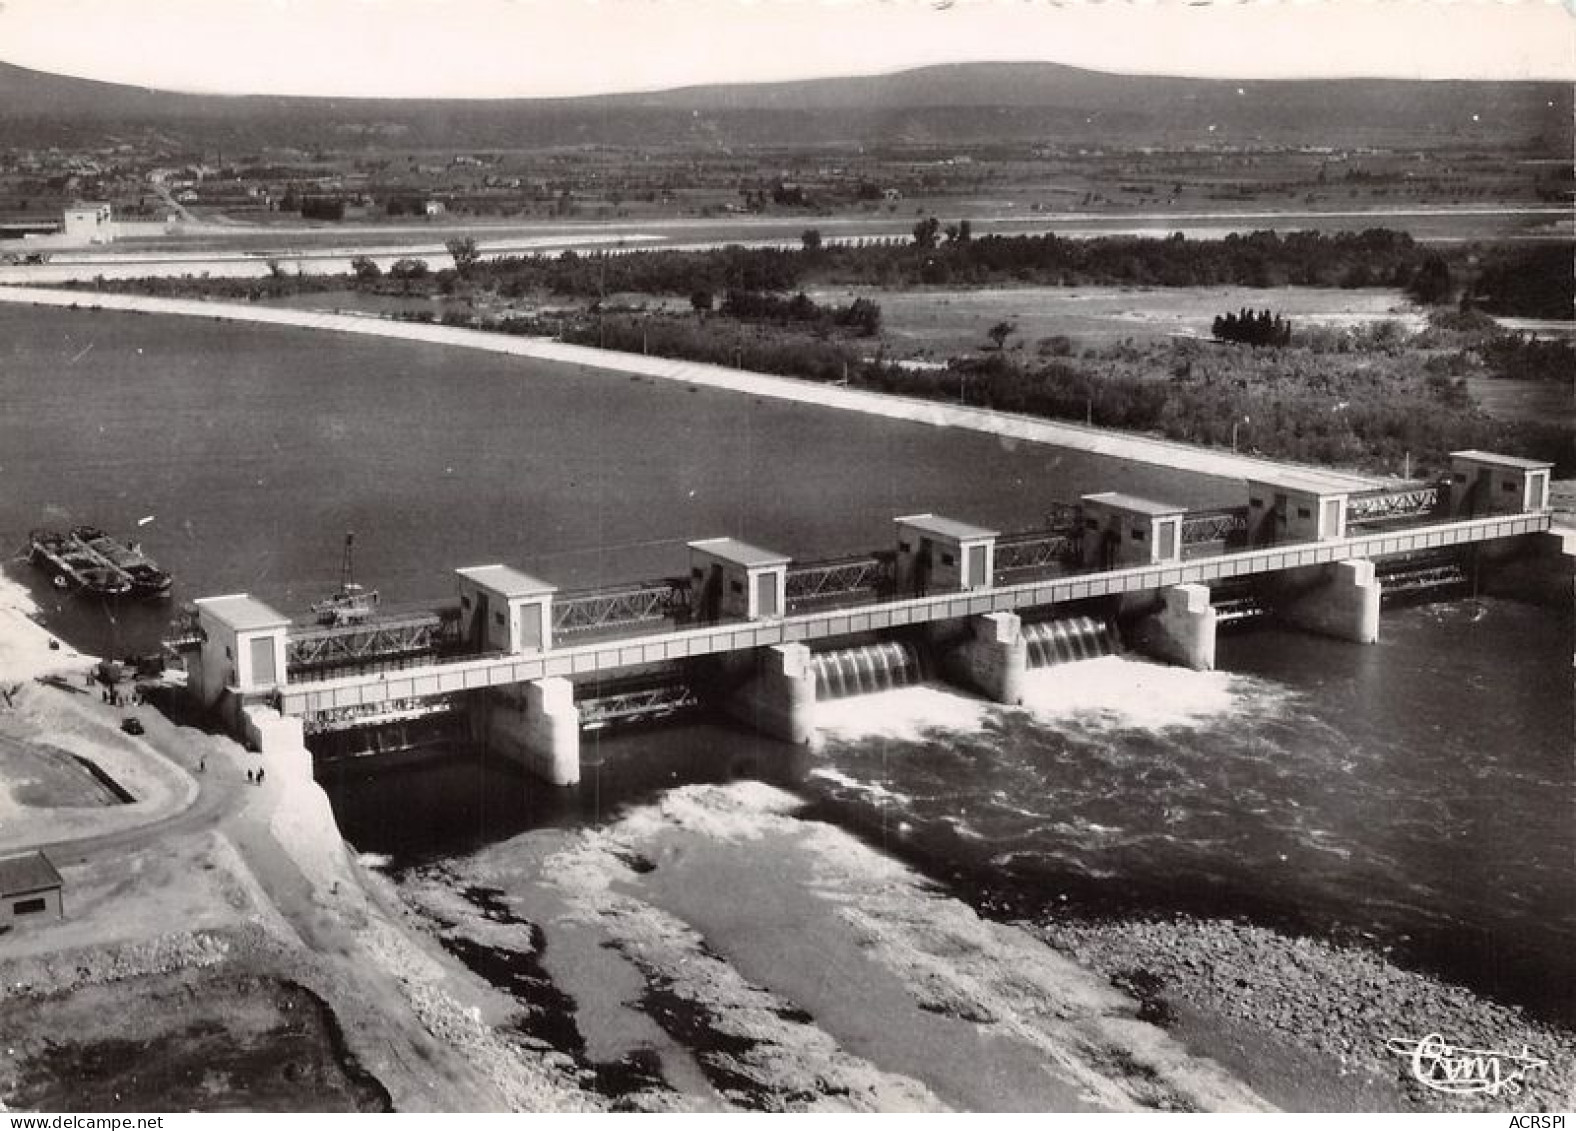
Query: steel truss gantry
x=589, y=610
x=309, y=649
x=839, y=580
x=1413, y=502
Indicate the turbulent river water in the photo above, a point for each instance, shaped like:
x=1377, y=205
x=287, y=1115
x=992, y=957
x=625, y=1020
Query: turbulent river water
x=1414, y=795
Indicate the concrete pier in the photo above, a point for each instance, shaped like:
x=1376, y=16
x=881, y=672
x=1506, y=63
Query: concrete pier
x=537, y=725
x=1183, y=631
x=1540, y=568
x=270, y=733
x=778, y=697
x=1343, y=602
x=994, y=658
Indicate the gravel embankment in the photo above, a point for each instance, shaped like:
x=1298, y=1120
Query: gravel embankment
x=63, y=971
x=1344, y=1003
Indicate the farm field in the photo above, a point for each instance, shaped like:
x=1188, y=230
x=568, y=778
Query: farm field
x=936, y=324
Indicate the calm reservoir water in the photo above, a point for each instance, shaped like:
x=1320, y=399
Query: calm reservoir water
x=251, y=450
x=1417, y=794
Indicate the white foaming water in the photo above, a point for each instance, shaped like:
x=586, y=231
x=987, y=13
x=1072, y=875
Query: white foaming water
x=874, y=790
x=904, y=714
x=1135, y=695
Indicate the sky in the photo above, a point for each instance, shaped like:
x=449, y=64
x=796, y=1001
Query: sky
x=531, y=48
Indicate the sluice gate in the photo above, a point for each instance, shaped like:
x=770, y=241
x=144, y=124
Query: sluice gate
x=1420, y=575
x=1239, y=608
x=399, y=736
x=1066, y=640
x=866, y=669
x=645, y=699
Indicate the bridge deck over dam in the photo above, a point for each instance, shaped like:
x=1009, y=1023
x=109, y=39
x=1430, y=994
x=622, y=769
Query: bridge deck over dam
x=372, y=690
x=523, y=658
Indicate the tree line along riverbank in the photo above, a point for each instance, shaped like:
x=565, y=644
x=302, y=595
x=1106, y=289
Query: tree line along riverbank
x=1528, y=281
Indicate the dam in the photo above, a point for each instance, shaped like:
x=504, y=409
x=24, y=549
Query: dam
x=762, y=636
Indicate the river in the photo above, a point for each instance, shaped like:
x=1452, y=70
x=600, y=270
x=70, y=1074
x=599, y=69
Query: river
x=250, y=451
x=1414, y=795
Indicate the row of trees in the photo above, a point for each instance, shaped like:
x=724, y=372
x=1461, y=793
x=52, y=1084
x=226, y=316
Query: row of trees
x=952, y=253
x=862, y=316
x=322, y=208
x=1532, y=283
x=1253, y=328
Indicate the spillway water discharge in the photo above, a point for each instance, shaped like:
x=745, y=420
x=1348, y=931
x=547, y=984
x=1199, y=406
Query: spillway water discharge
x=1123, y=693
x=905, y=714
x=1357, y=793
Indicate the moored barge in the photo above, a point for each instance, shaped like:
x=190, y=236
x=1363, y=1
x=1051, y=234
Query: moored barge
x=147, y=579
x=89, y=561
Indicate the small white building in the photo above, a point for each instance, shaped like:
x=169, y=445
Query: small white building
x=1489, y=483
x=733, y=579
x=505, y=610
x=243, y=649
x=1125, y=530
x=1290, y=505
x=89, y=222
x=942, y=555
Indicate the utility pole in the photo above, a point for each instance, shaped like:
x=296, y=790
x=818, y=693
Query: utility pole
x=1234, y=425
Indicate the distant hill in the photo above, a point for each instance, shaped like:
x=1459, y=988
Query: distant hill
x=927, y=106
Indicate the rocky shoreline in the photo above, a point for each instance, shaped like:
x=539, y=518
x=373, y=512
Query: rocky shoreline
x=1336, y=1006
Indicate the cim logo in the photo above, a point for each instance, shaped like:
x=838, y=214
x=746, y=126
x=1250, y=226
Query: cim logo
x=1459, y=1071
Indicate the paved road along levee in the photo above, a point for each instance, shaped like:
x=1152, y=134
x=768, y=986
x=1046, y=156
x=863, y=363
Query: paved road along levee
x=1121, y=445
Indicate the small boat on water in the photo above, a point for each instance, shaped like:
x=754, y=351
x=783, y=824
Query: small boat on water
x=147, y=579
x=89, y=561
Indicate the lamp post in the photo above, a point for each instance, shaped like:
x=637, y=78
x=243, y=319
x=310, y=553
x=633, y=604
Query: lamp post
x=1234, y=426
